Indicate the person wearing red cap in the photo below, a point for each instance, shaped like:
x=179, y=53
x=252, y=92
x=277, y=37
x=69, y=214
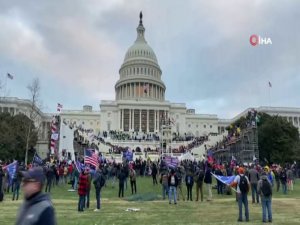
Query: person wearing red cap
x=242, y=184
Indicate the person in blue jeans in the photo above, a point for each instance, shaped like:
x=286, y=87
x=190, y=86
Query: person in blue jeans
x=264, y=188
x=172, y=183
x=283, y=180
x=16, y=185
x=242, y=183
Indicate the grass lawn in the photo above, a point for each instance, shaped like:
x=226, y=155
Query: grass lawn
x=222, y=210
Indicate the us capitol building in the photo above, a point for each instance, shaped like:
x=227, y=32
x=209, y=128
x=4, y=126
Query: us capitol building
x=140, y=108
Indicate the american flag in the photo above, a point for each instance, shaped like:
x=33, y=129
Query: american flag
x=90, y=157
x=59, y=107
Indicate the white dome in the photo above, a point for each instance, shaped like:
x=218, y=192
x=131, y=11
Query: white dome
x=140, y=50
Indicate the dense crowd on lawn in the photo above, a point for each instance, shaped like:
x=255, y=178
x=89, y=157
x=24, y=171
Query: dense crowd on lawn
x=189, y=175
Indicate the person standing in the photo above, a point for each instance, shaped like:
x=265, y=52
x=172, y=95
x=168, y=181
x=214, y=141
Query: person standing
x=290, y=179
x=2, y=175
x=132, y=176
x=87, y=197
x=37, y=208
x=189, y=181
x=199, y=183
x=49, y=176
x=208, y=181
x=243, y=185
x=253, y=178
x=82, y=190
x=264, y=188
x=16, y=184
x=154, y=173
x=121, y=177
x=164, y=184
x=172, y=183
x=179, y=173
x=283, y=180
x=98, y=182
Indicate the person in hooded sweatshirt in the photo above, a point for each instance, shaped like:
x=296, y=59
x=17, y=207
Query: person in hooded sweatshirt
x=37, y=208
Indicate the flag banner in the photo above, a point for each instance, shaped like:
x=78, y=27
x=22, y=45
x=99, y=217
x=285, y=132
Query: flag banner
x=171, y=162
x=37, y=160
x=11, y=170
x=225, y=179
x=90, y=157
x=270, y=84
x=10, y=76
x=54, y=136
x=59, y=107
x=128, y=155
x=79, y=166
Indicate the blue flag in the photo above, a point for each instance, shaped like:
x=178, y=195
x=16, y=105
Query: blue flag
x=37, y=160
x=79, y=166
x=11, y=170
x=224, y=179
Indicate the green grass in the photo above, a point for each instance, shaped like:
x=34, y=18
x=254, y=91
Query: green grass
x=153, y=210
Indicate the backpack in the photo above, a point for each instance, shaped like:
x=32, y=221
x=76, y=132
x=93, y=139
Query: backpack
x=243, y=185
x=266, y=188
x=172, y=179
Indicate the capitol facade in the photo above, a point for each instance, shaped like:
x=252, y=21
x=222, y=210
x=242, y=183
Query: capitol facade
x=139, y=109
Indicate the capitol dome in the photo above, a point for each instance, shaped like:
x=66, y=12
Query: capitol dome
x=140, y=74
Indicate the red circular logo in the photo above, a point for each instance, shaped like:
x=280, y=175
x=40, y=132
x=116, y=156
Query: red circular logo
x=253, y=39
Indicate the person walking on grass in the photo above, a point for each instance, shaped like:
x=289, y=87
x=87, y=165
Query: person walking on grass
x=242, y=184
x=37, y=208
x=82, y=190
x=264, y=188
x=99, y=182
x=172, y=183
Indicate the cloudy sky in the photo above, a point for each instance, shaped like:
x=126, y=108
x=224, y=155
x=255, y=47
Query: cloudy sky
x=76, y=47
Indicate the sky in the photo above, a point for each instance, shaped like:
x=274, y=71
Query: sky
x=76, y=48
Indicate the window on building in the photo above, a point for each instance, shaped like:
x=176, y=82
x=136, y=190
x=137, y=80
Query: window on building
x=210, y=126
x=204, y=126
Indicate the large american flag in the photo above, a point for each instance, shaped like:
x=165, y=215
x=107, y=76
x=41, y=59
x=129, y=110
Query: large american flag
x=90, y=157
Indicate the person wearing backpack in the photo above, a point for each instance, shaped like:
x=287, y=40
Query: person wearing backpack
x=172, y=183
x=264, y=188
x=242, y=184
x=99, y=182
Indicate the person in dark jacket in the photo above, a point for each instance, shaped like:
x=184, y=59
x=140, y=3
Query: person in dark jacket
x=199, y=183
x=208, y=181
x=154, y=173
x=16, y=184
x=172, y=183
x=37, y=208
x=122, y=178
x=97, y=183
x=283, y=180
x=189, y=182
x=82, y=190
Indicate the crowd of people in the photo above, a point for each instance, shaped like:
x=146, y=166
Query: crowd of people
x=189, y=175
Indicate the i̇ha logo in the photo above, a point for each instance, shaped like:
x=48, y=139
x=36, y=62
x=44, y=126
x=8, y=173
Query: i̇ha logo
x=258, y=40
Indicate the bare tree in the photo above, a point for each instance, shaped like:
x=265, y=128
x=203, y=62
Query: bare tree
x=34, y=91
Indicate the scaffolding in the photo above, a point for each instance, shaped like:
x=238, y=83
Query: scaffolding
x=243, y=149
